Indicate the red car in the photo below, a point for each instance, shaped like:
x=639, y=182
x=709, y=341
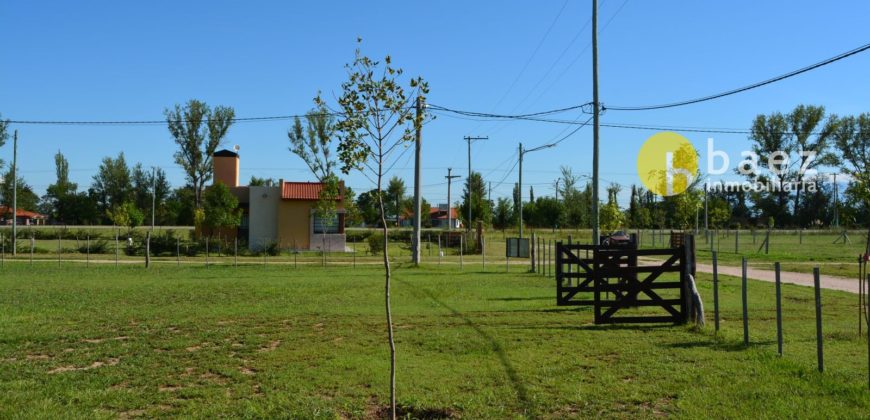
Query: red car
x=618, y=238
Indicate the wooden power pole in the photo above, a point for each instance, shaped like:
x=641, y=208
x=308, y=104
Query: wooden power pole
x=418, y=204
x=595, y=123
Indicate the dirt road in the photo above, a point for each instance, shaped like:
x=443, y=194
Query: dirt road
x=802, y=279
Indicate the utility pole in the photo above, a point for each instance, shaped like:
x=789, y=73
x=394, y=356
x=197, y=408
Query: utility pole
x=418, y=205
x=449, y=213
x=520, y=191
x=14, y=193
x=520, y=187
x=469, y=140
x=489, y=193
x=836, y=202
x=153, y=194
x=595, y=123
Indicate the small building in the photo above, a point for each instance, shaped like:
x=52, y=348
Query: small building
x=439, y=217
x=24, y=217
x=284, y=214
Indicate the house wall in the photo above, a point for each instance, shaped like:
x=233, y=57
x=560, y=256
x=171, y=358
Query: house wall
x=294, y=223
x=226, y=170
x=263, y=216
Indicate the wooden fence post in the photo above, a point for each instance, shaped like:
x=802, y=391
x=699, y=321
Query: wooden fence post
x=716, y=291
x=461, y=242
x=117, y=245
x=147, y=249
x=439, y=249
x=818, y=293
x=532, y=252
x=736, y=241
x=483, y=251
x=236, y=252
x=88, y=257
x=206, y=250
x=177, y=252
x=776, y=268
x=745, y=309
x=58, y=248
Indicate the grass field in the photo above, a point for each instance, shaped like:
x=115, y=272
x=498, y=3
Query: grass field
x=276, y=341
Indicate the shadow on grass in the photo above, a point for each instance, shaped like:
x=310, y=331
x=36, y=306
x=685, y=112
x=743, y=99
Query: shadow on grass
x=593, y=327
x=516, y=382
x=719, y=345
x=513, y=299
x=413, y=412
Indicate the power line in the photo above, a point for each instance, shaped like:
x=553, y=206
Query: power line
x=531, y=57
x=745, y=88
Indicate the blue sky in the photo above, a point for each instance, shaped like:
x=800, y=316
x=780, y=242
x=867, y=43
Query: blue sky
x=129, y=60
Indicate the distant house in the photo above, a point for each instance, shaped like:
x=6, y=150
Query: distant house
x=24, y=217
x=437, y=217
x=282, y=214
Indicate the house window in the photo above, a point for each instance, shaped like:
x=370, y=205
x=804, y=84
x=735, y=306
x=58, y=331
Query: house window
x=331, y=225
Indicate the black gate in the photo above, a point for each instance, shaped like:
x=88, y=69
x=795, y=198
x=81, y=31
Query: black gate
x=621, y=290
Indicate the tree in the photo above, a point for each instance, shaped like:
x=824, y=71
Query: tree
x=547, y=212
x=126, y=214
x=262, y=182
x=180, y=210
x=852, y=138
x=312, y=144
x=198, y=130
x=611, y=217
x=325, y=208
x=577, y=204
x=148, y=186
x=352, y=213
x=804, y=122
x=374, y=105
x=111, y=186
x=396, y=193
x=56, y=201
x=27, y=199
x=367, y=204
x=769, y=134
x=220, y=208
x=480, y=207
x=425, y=209
x=503, y=215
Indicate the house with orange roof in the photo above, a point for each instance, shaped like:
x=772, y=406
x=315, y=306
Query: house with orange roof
x=24, y=217
x=281, y=214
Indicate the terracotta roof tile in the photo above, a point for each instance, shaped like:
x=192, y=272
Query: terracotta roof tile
x=302, y=190
x=22, y=213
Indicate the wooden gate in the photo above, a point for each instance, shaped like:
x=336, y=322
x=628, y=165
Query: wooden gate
x=619, y=289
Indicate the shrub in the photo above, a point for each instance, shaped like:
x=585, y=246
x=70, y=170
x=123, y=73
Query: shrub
x=100, y=246
x=376, y=243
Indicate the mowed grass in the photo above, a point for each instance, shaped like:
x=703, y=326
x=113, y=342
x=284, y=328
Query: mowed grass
x=275, y=341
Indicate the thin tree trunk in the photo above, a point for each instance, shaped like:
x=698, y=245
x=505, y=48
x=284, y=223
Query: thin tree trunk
x=387, y=273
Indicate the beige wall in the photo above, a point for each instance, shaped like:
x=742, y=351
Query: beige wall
x=294, y=223
x=226, y=170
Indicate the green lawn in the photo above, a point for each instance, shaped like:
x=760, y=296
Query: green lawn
x=310, y=342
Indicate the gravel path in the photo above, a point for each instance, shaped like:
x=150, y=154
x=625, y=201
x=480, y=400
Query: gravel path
x=802, y=279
